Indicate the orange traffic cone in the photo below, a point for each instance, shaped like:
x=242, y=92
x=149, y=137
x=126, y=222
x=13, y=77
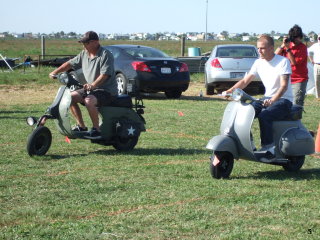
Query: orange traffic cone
x=317, y=143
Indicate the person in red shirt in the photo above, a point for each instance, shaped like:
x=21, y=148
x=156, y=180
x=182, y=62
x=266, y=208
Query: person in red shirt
x=296, y=51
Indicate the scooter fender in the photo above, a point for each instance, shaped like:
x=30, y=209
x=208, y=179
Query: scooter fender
x=223, y=143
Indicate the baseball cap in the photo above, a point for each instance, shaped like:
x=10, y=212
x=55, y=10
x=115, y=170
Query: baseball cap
x=88, y=36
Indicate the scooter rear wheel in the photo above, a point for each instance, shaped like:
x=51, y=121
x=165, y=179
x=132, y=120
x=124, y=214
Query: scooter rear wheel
x=294, y=164
x=39, y=141
x=224, y=168
x=125, y=144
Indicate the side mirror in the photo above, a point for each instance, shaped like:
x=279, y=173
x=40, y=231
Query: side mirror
x=68, y=80
x=237, y=94
x=63, y=78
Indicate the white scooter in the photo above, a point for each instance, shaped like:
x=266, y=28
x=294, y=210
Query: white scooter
x=292, y=140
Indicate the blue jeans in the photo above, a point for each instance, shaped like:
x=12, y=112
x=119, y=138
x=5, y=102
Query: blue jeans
x=277, y=111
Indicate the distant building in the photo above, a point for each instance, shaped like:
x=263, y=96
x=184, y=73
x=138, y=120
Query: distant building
x=246, y=38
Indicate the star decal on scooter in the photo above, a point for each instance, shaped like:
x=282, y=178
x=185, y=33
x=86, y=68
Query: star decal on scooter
x=118, y=124
x=131, y=131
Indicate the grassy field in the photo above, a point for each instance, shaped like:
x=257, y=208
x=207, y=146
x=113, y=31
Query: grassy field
x=32, y=47
x=160, y=190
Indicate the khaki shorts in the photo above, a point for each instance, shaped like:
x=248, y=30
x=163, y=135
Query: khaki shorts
x=103, y=97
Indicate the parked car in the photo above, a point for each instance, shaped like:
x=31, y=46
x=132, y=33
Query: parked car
x=228, y=64
x=148, y=70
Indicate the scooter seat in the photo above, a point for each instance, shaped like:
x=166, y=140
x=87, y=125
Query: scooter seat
x=122, y=101
x=295, y=113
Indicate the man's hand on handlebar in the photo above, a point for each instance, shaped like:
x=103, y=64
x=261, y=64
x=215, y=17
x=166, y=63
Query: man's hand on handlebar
x=227, y=93
x=53, y=75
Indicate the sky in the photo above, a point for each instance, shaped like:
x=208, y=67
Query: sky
x=133, y=16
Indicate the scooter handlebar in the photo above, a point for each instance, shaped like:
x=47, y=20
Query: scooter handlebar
x=225, y=94
x=54, y=76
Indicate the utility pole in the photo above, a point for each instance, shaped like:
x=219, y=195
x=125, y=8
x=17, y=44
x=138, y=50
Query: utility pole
x=206, y=36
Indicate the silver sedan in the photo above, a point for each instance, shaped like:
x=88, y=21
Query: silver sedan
x=228, y=64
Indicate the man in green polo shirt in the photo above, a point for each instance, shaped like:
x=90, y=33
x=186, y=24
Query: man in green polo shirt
x=101, y=87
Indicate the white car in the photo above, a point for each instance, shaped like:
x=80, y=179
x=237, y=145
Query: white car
x=228, y=64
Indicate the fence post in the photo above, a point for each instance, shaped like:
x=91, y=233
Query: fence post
x=183, y=43
x=43, y=47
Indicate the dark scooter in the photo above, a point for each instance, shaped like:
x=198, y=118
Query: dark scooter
x=292, y=140
x=121, y=123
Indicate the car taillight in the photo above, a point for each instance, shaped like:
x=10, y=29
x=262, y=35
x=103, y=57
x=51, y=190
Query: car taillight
x=140, y=66
x=215, y=63
x=184, y=68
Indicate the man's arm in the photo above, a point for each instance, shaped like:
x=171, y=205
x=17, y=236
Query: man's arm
x=98, y=82
x=291, y=57
x=284, y=81
x=281, y=51
x=63, y=68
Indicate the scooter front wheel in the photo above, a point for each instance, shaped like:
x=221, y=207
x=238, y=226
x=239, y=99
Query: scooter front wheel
x=294, y=164
x=222, y=168
x=39, y=141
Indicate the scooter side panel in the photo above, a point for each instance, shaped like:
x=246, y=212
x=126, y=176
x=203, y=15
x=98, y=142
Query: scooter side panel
x=242, y=125
x=292, y=138
x=228, y=117
x=223, y=143
x=63, y=123
x=110, y=116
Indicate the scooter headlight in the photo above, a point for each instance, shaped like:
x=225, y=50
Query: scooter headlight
x=237, y=94
x=31, y=121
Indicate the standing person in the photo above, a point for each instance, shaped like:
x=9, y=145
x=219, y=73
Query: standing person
x=98, y=69
x=314, y=56
x=274, y=71
x=296, y=51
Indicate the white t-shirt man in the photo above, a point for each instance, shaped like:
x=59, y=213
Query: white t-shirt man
x=315, y=51
x=270, y=72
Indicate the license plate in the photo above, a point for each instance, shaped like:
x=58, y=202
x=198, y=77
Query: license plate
x=165, y=70
x=237, y=75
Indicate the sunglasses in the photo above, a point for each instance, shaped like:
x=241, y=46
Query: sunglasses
x=86, y=43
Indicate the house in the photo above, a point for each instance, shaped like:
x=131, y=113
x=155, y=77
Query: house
x=246, y=38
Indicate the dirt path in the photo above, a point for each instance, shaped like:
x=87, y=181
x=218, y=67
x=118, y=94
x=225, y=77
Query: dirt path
x=25, y=95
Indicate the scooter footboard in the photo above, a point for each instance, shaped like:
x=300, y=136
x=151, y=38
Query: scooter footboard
x=223, y=143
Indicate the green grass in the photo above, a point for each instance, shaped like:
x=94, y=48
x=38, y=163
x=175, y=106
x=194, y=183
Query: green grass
x=160, y=190
x=32, y=47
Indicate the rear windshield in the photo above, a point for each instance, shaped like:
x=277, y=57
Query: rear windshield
x=145, y=52
x=236, y=52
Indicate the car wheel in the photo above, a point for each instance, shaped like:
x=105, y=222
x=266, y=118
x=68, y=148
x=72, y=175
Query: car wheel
x=39, y=141
x=294, y=164
x=224, y=168
x=173, y=94
x=122, y=83
x=209, y=90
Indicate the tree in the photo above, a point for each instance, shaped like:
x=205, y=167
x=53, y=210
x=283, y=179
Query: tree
x=225, y=33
